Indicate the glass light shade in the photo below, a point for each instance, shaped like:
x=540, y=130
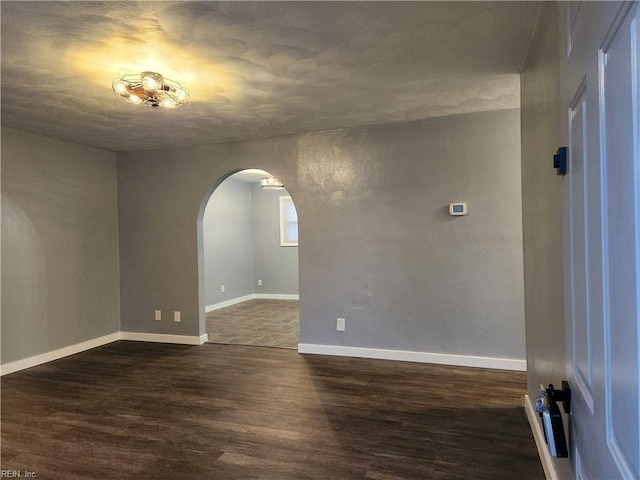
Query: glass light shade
x=271, y=184
x=151, y=90
x=152, y=81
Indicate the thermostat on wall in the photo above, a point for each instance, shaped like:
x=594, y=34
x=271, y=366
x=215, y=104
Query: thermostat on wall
x=456, y=209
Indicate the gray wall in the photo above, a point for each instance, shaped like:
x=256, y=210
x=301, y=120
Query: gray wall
x=228, y=242
x=376, y=243
x=542, y=193
x=59, y=244
x=276, y=266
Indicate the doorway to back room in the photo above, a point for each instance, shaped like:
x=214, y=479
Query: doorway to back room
x=250, y=250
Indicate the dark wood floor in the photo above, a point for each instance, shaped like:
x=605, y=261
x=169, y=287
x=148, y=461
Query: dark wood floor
x=133, y=410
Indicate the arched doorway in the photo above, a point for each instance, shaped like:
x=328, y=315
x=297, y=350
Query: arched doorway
x=249, y=282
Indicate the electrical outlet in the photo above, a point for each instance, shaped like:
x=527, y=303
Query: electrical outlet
x=340, y=324
x=158, y=315
x=259, y=283
x=221, y=288
x=176, y=316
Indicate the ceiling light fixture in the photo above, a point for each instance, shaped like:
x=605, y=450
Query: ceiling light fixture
x=271, y=184
x=151, y=90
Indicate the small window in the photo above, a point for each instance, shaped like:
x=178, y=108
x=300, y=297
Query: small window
x=288, y=223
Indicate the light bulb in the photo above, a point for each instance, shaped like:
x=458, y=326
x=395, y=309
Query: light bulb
x=151, y=83
x=134, y=99
x=120, y=88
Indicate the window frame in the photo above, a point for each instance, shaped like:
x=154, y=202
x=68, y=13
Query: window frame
x=286, y=202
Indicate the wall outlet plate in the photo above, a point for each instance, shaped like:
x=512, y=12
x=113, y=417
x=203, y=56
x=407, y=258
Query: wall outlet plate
x=158, y=315
x=176, y=316
x=340, y=324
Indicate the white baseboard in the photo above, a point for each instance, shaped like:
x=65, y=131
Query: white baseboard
x=164, y=338
x=545, y=457
x=276, y=296
x=228, y=303
x=29, y=362
x=420, y=357
x=251, y=296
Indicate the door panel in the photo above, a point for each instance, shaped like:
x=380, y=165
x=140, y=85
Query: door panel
x=600, y=95
x=619, y=93
x=578, y=167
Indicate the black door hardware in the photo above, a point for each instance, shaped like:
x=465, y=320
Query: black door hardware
x=547, y=407
x=560, y=161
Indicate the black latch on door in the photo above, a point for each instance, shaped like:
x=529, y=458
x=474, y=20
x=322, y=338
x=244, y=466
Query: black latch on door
x=547, y=407
x=560, y=161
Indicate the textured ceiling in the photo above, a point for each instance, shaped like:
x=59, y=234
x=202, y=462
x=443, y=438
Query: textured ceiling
x=255, y=69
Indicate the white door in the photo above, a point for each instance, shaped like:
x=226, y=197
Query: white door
x=600, y=88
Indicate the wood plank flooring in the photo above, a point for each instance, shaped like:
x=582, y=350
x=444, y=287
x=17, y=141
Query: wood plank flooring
x=260, y=322
x=133, y=410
